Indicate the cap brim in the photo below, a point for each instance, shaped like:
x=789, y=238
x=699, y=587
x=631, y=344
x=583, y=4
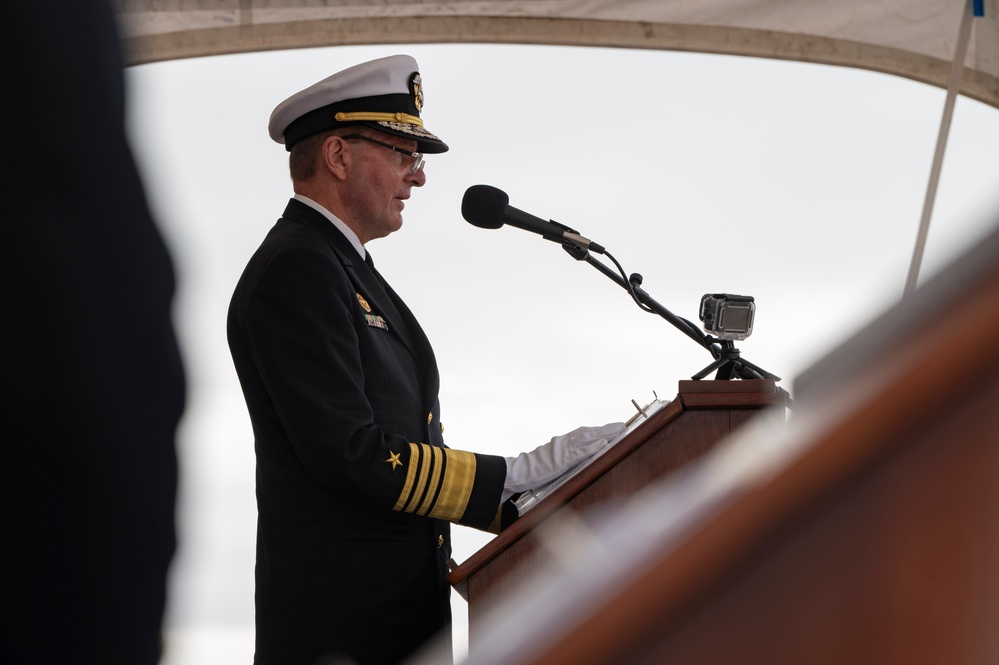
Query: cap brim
x=426, y=142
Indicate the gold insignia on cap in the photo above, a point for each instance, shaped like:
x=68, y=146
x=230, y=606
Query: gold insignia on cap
x=364, y=303
x=394, y=460
x=440, y=541
x=416, y=85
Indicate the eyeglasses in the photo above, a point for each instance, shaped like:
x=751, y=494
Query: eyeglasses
x=417, y=156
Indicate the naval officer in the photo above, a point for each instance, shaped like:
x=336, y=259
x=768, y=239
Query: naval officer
x=355, y=487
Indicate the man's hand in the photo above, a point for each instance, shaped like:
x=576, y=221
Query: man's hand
x=551, y=460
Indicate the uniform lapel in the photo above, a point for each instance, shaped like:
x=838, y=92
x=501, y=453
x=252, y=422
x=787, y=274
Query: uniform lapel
x=384, y=302
x=379, y=296
x=418, y=339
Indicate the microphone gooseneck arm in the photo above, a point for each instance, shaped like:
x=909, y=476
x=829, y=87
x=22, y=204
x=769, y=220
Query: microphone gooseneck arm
x=489, y=208
x=633, y=286
x=727, y=358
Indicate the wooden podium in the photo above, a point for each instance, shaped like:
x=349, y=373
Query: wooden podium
x=864, y=532
x=701, y=415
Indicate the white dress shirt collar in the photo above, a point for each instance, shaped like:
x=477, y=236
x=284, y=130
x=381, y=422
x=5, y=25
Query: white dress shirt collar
x=344, y=229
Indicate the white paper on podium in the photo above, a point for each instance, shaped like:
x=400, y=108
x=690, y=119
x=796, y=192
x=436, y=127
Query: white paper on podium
x=530, y=498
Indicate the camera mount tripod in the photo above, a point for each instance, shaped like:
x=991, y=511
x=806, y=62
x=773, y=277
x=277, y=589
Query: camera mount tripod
x=729, y=362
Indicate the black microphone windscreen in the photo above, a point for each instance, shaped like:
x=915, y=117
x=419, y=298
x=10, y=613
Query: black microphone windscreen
x=484, y=206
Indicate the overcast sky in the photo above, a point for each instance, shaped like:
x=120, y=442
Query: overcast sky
x=801, y=185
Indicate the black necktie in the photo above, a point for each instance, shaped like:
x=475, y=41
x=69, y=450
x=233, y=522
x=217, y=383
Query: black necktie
x=371, y=264
x=393, y=298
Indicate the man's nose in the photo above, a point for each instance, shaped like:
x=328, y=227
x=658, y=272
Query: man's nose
x=419, y=178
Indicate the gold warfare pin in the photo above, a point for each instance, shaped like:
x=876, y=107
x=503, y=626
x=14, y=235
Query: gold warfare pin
x=364, y=303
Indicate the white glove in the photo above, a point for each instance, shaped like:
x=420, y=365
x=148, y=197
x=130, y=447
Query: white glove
x=549, y=461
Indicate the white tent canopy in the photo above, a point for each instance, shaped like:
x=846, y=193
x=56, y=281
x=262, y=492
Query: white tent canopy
x=914, y=39
x=923, y=40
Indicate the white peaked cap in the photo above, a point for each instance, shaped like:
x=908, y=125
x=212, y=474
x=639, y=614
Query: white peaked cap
x=385, y=94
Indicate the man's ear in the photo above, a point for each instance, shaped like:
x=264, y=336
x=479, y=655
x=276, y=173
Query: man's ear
x=336, y=158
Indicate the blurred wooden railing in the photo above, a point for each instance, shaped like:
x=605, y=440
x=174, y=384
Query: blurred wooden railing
x=865, y=531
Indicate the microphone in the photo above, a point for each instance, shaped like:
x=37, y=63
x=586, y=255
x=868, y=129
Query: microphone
x=489, y=208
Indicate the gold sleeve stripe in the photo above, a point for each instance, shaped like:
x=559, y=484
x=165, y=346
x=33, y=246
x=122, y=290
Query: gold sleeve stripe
x=438, y=482
x=420, y=468
x=433, y=481
x=425, y=461
x=459, y=476
x=411, y=470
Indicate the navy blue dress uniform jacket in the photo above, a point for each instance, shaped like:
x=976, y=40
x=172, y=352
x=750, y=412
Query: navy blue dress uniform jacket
x=355, y=488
